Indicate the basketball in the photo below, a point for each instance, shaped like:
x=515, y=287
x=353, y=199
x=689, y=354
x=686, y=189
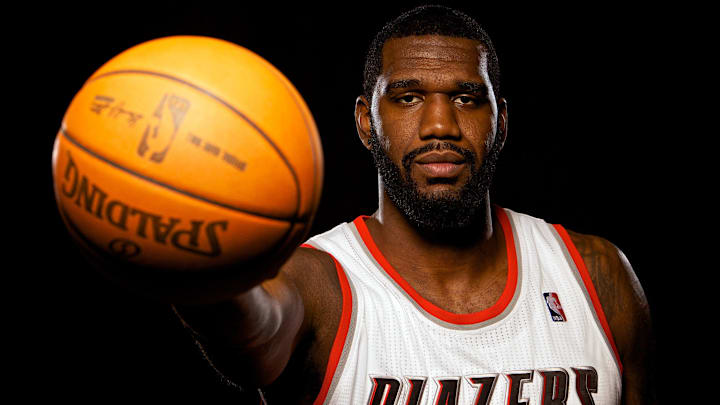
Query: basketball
x=186, y=166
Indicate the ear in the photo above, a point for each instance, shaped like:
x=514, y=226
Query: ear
x=362, y=120
x=502, y=122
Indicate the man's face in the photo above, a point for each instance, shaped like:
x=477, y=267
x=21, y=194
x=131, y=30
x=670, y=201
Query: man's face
x=433, y=126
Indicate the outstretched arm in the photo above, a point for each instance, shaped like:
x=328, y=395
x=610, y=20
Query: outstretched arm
x=249, y=339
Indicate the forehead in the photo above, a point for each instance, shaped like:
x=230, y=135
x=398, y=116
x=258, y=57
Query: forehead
x=434, y=55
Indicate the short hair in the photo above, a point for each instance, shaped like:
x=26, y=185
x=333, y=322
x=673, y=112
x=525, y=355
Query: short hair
x=428, y=20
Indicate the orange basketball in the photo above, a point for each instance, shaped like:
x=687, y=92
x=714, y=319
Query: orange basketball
x=186, y=165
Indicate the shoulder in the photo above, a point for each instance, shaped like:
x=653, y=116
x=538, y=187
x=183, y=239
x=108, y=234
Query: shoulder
x=313, y=267
x=628, y=315
x=315, y=275
x=615, y=281
x=619, y=291
x=306, y=260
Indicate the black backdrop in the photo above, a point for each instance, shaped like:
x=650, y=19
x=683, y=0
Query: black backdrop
x=591, y=137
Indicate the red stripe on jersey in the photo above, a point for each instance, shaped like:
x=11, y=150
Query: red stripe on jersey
x=590, y=287
x=342, y=332
x=447, y=316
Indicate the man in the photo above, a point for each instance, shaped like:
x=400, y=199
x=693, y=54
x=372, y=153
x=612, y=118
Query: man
x=439, y=296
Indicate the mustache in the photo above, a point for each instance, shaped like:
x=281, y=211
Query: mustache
x=469, y=155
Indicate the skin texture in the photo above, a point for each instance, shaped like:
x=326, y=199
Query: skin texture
x=284, y=349
x=627, y=313
x=419, y=99
x=279, y=334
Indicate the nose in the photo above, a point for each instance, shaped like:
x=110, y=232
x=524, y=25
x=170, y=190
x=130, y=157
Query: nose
x=438, y=118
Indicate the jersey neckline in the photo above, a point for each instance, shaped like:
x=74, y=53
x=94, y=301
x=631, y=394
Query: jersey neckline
x=458, y=319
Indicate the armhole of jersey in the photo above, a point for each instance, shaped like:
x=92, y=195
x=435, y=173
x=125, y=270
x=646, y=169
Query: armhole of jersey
x=342, y=332
x=590, y=288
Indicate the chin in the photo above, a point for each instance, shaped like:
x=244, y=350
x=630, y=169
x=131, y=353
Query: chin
x=440, y=193
x=440, y=187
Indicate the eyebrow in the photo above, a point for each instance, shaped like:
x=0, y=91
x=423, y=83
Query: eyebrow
x=402, y=84
x=473, y=87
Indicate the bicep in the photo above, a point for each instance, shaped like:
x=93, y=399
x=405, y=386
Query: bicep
x=251, y=337
x=633, y=333
x=626, y=309
x=247, y=339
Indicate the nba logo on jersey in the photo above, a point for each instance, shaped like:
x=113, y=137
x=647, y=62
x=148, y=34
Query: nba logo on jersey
x=553, y=303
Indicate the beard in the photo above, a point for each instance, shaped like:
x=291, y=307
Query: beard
x=445, y=213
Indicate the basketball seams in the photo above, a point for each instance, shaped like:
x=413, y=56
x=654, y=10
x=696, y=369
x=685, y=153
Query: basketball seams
x=175, y=205
x=296, y=216
x=185, y=193
x=310, y=127
x=72, y=218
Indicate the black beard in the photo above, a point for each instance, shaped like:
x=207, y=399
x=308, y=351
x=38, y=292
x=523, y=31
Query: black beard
x=443, y=214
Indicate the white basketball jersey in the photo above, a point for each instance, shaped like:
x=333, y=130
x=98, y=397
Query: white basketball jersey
x=545, y=342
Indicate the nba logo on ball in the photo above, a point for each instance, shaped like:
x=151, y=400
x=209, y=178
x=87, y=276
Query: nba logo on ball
x=553, y=303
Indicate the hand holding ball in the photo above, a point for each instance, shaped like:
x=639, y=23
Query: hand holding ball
x=188, y=168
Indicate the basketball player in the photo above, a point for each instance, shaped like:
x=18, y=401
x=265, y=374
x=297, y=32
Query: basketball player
x=439, y=296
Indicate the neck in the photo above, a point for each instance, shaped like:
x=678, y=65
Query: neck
x=464, y=253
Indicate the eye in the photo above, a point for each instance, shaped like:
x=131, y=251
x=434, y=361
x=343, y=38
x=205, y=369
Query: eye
x=465, y=100
x=408, y=99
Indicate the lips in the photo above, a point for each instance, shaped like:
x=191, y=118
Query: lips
x=441, y=157
x=441, y=164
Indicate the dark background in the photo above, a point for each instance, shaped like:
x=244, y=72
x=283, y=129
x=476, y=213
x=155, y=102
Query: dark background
x=593, y=138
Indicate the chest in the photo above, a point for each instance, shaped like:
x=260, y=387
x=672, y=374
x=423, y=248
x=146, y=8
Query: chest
x=533, y=338
x=463, y=297
x=532, y=351
x=537, y=343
